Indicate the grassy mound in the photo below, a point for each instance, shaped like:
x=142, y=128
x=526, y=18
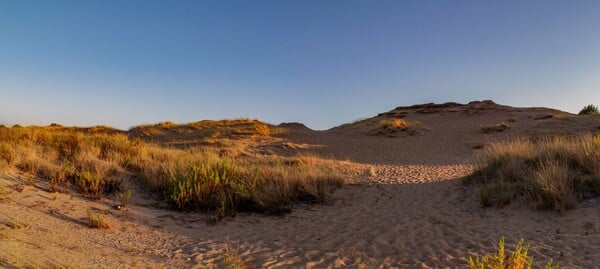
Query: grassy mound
x=552, y=173
x=194, y=178
x=206, y=129
x=385, y=126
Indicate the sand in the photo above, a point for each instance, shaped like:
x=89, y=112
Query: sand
x=410, y=212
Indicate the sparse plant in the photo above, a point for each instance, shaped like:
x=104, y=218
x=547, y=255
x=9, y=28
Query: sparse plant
x=7, y=153
x=589, y=110
x=518, y=259
x=356, y=259
x=597, y=140
x=232, y=258
x=500, y=127
x=98, y=221
x=123, y=198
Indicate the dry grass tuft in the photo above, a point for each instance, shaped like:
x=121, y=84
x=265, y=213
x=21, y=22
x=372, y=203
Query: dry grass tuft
x=552, y=173
x=123, y=197
x=232, y=258
x=98, y=221
x=395, y=126
x=498, y=128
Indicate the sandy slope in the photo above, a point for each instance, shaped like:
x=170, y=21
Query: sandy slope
x=411, y=213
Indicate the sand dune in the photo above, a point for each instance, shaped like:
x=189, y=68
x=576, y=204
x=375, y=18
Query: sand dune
x=410, y=212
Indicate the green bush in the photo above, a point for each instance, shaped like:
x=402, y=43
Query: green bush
x=589, y=110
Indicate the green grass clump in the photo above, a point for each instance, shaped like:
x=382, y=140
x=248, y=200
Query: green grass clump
x=518, y=259
x=589, y=110
x=225, y=186
x=552, y=173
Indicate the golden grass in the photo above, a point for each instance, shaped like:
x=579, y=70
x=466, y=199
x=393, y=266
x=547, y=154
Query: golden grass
x=393, y=126
x=232, y=258
x=123, y=197
x=192, y=178
x=518, y=259
x=552, y=173
x=169, y=132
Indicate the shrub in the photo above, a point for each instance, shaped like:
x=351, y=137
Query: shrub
x=552, y=173
x=518, y=259
x=589, y=110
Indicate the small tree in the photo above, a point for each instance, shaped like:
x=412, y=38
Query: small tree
x=589, y=110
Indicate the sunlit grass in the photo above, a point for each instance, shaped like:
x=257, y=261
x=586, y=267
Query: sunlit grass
x=190, y=178
x=553, y=173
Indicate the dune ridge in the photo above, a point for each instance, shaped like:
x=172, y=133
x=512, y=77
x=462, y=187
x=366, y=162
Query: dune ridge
x=408, y=210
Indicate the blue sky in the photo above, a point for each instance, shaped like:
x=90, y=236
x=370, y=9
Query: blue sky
x=323, y=63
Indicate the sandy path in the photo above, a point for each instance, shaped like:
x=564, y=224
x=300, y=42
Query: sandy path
x=412, y=213
x=416, y=217
x=408, y=217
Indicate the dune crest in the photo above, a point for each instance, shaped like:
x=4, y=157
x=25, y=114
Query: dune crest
x=403, y=206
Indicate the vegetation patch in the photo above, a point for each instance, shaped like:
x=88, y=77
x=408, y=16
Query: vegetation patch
x=191, y=179
x=551, y=173
x=518, y=259
x=209, y=182
x=498, y=128
x=232, y=257
x=395, y=126
x=98, y=221
x=173, y=133
x=589, y=110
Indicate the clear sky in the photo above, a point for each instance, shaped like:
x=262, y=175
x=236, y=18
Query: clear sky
x=323, y=63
